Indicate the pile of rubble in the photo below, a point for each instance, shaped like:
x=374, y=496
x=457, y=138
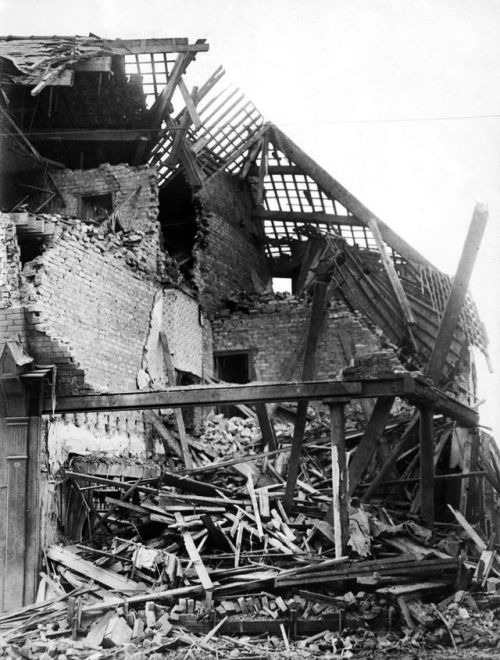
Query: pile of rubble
x=208, y=562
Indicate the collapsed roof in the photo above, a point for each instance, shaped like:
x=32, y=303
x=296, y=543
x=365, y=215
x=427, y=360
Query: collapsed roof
x=81, y=101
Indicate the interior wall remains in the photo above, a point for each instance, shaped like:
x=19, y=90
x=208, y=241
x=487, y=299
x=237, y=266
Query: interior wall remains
x=230, y=247
x=275, y=332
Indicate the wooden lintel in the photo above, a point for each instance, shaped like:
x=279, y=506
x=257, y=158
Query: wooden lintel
x=307, y=216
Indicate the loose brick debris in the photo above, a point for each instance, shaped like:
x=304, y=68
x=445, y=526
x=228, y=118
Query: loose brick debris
x=209, y=563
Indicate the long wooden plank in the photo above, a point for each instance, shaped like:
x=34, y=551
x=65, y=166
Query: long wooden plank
x=208, y=395
x=404, y=385
x=168, y=441
x=90, y=135
x=393, y=278
x=68, y=558
x=307, y=216
x=371, y=437
x=194, y=555
x=313, y=332
x=339, y=479
x=179, y=420
x=458, y=292
x=266, y=426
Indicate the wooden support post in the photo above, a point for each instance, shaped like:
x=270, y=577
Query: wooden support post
x=179, y=420
x=427, y=464
x=266, y=426
x=339, y=478
x=371, y=437
x=457, y=294
x=401, y=296
x=313, y=331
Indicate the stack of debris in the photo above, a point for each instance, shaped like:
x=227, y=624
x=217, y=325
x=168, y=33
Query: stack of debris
x=182, y=562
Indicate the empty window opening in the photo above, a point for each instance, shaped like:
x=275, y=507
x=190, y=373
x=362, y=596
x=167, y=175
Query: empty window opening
x=31, y=247
x=96, y=207
x=282, y=284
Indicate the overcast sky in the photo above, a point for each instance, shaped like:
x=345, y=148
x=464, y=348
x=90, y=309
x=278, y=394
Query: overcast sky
x=398, y=100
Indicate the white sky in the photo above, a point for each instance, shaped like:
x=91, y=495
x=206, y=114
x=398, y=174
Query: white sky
x=331, y=73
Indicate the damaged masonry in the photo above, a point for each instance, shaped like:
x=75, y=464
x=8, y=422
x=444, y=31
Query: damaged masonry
x=192, y=463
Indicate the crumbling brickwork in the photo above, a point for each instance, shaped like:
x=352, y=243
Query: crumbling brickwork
x=134, y=193
x=11, y=311
x=230, y=247
x=90, y=301
x=277, y=331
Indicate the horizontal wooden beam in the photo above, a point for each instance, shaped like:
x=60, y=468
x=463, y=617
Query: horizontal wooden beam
x=94, y=64
x=277, y=169
x=206, y=395
x=91, y=135
x=307, y=216
x=412, y=388
x=140, y=46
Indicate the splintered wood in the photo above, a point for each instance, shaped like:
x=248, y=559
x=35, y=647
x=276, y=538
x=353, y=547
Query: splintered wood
x=212, y=551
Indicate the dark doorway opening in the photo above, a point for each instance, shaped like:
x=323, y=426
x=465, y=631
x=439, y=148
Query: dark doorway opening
x=233, y=367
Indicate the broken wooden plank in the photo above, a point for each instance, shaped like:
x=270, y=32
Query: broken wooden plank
x=169, y=367
x=427, y=464
x=339, y=478
x=193, y=553
x=371, y=437
x=458, y=293
x=313, y=332
x=403, y=444
x=67, y=557
x=266, y=426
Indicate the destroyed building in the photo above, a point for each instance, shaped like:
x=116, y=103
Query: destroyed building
x=142, y=226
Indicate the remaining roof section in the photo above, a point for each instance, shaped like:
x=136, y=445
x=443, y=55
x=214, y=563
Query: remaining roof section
x=43, y=61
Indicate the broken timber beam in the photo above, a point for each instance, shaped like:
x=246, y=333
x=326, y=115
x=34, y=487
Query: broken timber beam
x=313, y=331
x=266, y=426
x=373, y=432
x=179, y=420
x=427, y=465
x=457, y=294
x=404, y=443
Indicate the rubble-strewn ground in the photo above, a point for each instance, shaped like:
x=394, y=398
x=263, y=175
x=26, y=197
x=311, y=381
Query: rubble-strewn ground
x=206, y=563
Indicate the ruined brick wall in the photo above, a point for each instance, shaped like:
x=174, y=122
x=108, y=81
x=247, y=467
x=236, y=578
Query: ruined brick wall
x=11, y=310
x=277, y=331
x=230, y=246
x=134, y=191
x=87, y=305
